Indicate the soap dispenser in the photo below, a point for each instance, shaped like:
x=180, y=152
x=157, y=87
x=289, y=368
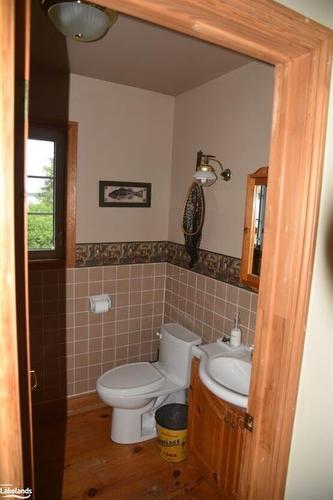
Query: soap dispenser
x=236, y=334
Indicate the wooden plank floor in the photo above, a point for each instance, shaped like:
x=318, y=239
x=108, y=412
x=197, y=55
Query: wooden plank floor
x=86, y=464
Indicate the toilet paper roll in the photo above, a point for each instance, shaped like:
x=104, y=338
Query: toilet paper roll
x=100, y=304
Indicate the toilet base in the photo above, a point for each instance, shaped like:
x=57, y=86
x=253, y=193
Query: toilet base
x=135, y=426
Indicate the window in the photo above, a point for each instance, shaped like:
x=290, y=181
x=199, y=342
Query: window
x=46, y=165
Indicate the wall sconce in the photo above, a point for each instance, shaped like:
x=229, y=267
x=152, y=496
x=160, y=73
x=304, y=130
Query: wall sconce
x=83, y=21
x=205, y=173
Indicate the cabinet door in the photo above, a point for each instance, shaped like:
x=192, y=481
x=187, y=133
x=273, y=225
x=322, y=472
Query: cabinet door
x=231, y=453
x=206, y=432
x=215, y=437
x=205, y=429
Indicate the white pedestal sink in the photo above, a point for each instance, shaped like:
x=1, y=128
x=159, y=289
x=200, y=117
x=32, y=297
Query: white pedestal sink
x=226, y=372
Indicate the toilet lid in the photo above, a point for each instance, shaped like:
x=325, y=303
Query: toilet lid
x=133, y=378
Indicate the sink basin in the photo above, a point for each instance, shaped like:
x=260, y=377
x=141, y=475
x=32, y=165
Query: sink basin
x=233, y=373
x=226, y=374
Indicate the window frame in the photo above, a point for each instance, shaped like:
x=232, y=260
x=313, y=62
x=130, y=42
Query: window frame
x=56, y=134
x=65, y=258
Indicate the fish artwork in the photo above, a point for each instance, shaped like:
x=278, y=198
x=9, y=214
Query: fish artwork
x=126, y=194
x=193, y=219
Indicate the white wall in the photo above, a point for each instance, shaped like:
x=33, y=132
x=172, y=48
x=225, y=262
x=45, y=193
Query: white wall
x=229, y=117
x=310, y=473
x=125, y=134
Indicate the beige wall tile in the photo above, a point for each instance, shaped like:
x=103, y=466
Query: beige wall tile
x=143, y=296
x=110, y=273
x=81, y=347
x=81, y=319
x=81, y=290
x=148, y=269
x=81, y=275
x=95, y=344
x=95, y=274
x=123, y=272
x=232, y=294
x=95, y=287
x=136, y=271
x=94, y=359
x=81, y=333
x=95, y=331
x=109, y=342
x=81, y=387
x=122, y=286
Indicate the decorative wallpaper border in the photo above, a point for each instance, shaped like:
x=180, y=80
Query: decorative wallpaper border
x=131, y=252
x=218, y=266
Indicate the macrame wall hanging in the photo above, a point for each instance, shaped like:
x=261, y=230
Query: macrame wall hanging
x=193, y=219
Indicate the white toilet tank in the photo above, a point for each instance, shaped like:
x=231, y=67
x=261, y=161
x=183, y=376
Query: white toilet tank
x=175, y=356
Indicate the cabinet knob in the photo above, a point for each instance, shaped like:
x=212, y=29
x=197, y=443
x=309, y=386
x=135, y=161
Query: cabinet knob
x=233, y=425
x=198, y=409
x=215, y=476
x=226, y=420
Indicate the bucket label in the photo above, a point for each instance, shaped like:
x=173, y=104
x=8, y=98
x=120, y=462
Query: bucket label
x=172, y=444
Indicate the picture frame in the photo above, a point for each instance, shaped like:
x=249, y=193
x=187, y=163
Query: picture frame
x=124, y=194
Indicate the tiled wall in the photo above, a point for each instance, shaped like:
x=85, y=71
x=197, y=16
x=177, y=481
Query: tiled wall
x=71, y=347
x=207, y=306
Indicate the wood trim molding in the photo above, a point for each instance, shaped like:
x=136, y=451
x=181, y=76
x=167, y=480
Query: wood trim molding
x=259, y=28
x=290, y=236
x=11, y=464
x=84, y=403
x=22, y=66
x=71, y=194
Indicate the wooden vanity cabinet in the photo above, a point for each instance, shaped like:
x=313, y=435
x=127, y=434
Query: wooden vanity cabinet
x=215, y=437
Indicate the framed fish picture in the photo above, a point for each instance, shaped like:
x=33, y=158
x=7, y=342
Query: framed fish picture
x=124, y=194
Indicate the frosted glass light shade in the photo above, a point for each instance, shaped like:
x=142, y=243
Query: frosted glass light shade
x=80, y=21
x=207, y=178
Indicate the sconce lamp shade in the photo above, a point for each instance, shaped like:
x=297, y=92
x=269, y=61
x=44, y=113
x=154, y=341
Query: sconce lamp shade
x=205, y=173
x=207, y=178
x=81, y=21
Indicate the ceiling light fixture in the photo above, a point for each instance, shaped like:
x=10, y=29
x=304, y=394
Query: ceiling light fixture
x=205, y=173
x=80, y=20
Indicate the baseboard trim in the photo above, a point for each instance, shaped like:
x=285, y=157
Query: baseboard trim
x=84, y=403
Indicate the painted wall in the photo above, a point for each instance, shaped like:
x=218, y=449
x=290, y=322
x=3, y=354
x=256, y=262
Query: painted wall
x=229, y=117
x=311, y=461
x=125, y=134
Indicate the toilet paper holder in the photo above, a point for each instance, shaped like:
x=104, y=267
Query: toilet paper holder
x=100, y=303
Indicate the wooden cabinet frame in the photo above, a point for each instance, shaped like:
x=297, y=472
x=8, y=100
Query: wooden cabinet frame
x=301, y=51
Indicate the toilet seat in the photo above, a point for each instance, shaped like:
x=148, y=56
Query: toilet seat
x=132, y=379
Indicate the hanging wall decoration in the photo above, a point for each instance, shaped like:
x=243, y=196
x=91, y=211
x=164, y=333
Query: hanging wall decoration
x=193, y=219
x=124, y=194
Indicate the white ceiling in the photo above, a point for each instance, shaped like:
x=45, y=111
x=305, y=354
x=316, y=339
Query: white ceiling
x=147, y=56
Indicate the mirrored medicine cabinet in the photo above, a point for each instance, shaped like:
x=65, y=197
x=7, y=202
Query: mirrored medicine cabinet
x=254, y=224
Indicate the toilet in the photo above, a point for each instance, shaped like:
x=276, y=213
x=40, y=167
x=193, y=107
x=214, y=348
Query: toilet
x=136, y=390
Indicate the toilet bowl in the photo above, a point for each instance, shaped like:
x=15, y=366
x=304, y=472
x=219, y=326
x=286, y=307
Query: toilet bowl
x=136, y=390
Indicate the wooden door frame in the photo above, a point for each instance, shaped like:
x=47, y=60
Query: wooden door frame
x=11, y=460
x=301, y=51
